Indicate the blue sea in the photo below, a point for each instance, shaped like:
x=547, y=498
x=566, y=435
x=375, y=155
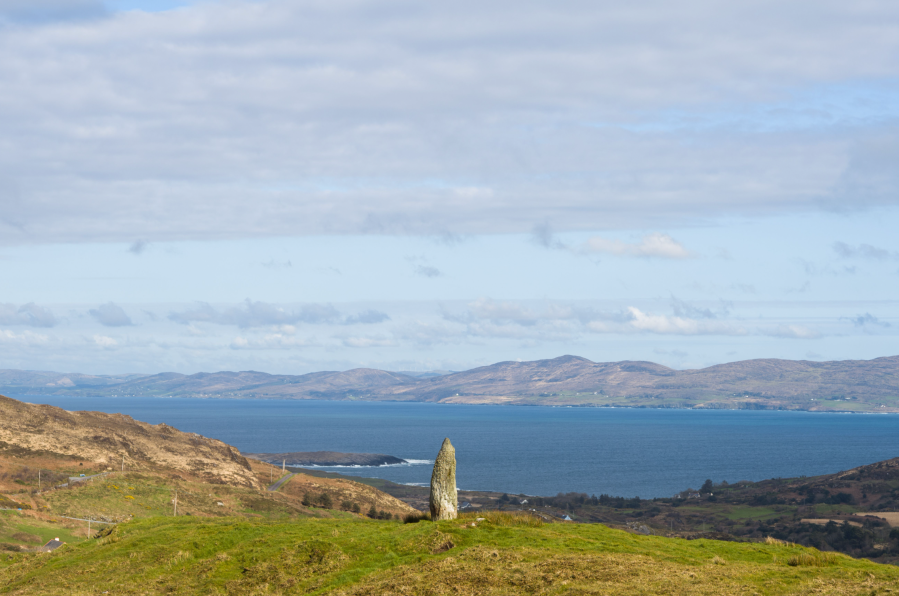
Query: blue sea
x=535, y=450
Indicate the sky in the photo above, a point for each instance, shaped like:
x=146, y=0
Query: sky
x=298, y=185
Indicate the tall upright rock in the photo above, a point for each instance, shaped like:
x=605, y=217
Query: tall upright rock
x=444, y=500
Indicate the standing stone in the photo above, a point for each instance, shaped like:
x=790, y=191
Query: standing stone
x=444, y=500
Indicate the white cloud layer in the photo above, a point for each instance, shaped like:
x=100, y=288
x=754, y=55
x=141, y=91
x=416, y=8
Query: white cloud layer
x=652, y=245
x=263, y=314
x=458, y=334
x=279, y=117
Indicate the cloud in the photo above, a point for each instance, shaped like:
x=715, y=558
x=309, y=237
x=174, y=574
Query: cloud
x=257, y=314
x=28, y=314
x=653, y=245
x=675, y=325
x=556, y=321
x=684, y=309
x=793, y=332
x=105, y=342
x=542, y=235
x=27, y=338
x=863, y=251
x=111, y=315
x=475, y=117
x=485, y=308
x=368, y=317
x=369, y=342
x=427, y=271
x=138, y=247
x=744, y=288
x=868, y=319
x=201, y=313
x=273, y=341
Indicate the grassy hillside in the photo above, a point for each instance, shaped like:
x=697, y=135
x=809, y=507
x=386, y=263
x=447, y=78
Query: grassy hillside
x=115, y=441
x=499, y=555
x=118, y=496
x=19, y=531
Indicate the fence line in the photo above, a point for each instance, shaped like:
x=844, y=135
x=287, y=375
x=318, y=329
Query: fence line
x=93, y=521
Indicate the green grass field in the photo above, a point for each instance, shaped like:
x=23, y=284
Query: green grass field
x=132, y=494
x=500, y=555
x=747, y=512
x=18, y=529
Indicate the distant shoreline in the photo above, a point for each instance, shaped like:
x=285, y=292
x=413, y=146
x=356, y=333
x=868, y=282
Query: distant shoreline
x=24, y=397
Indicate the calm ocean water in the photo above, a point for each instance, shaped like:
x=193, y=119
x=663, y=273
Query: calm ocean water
x=535, y=450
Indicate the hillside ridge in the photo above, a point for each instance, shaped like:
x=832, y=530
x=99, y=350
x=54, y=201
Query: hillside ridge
x=105, y=439
x=767, y=383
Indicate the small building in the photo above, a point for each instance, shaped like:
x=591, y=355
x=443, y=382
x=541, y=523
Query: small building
x=51, y=546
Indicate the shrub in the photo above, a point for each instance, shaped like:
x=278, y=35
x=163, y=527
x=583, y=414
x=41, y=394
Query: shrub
x=816, y=559
x=346, y=505
x=325, y=501
x=356, y=508
x=839, y=499
x=372, y=512
x=414, y=518
x=307, y=500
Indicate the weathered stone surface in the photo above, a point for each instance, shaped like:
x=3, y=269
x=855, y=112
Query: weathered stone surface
x=444, y=500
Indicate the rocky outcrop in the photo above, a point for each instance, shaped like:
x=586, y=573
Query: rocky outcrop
x=444, y=499
x=106, y=438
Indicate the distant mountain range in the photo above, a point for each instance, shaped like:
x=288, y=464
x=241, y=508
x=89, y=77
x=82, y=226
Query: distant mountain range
x=848, y=385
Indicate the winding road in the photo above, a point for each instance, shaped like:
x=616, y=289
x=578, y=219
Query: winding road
x=280, y=482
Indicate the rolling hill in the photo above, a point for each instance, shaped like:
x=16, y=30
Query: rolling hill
x=849, y=385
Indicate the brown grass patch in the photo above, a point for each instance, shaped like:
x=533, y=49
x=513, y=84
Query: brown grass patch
x=486, y=571
x=813, y=559
x=26, y=537
x=307, y=562
x=341, y=490
x=503, y=518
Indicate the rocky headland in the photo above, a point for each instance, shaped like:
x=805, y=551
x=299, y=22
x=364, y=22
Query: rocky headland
x=327, y=458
